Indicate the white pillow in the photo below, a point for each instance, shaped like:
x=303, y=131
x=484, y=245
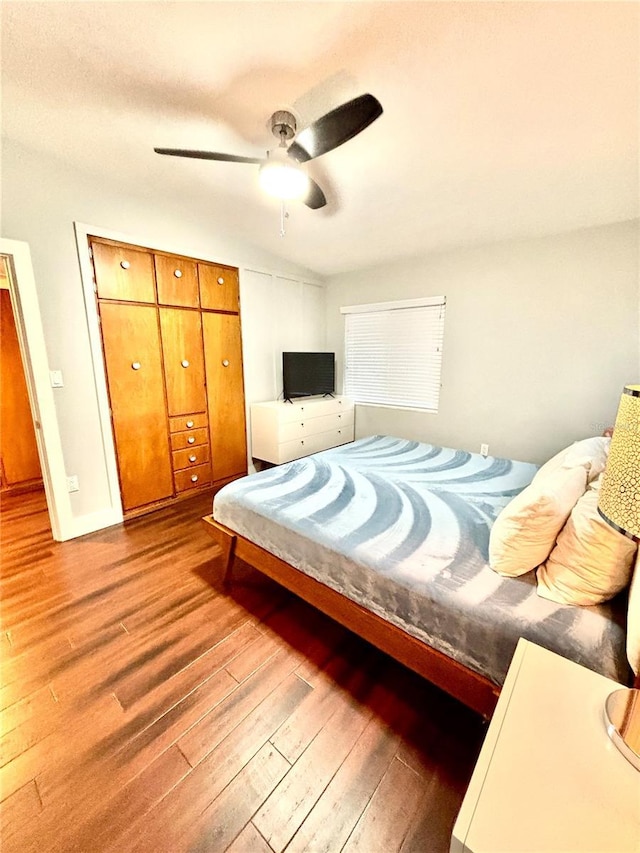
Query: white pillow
x=525, y=531
x=589, y=453
x=591, y=562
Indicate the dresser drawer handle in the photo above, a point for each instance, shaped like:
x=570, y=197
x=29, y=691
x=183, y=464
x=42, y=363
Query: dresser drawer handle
x=191, y=439
x=225, y=362
x=184, y=362
x=136, y=365
x=192, y=458
x=177, y=273
x=194, y=478
x=189, y=424
x=125, y=265
x=220, y=280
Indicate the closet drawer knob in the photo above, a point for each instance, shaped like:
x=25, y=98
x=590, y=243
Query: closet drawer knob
x=225, y=362
x=136, y=365
x=189, y=424
x=177, y=273
x=220, y=280
x=192, y=458
x=191, y=440
x=125, y=265
x=194, y=478
x=184, y=362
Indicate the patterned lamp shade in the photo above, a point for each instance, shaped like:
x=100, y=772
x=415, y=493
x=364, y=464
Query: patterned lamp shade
x=619, y=501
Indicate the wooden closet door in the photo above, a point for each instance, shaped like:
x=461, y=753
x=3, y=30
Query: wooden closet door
x=131, y=341
x=225, y=394
x=19, y=451
x=183, y=360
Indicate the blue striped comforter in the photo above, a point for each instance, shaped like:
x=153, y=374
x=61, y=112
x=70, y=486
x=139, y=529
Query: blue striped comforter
x=402, y=528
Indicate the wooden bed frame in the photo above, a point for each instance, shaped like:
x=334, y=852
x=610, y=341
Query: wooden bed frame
x=464, y=684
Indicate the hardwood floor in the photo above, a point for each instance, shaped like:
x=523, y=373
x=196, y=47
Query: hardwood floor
x=145, y=709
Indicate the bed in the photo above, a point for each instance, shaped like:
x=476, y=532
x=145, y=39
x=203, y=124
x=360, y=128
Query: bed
x=390, y=537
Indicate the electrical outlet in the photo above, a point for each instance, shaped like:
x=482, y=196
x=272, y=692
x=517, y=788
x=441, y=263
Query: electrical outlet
x=72, y=484
x=484, y=449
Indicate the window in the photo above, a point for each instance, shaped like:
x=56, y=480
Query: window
x=393, y=353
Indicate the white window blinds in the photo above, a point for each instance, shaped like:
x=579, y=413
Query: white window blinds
x=393, y=353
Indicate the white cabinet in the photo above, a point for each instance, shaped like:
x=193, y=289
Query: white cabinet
x=548, y=778
x=283, y=431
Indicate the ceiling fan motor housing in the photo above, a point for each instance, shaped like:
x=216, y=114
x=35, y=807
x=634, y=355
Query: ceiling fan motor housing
x=283, y=125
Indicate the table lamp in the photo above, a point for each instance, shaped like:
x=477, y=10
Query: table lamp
x=619, y=506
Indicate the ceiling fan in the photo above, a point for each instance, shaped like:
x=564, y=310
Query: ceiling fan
x=280, y=172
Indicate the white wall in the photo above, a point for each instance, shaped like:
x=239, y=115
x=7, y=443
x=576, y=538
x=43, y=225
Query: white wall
x=41, y=199
x=540, y=337
x=278, y=314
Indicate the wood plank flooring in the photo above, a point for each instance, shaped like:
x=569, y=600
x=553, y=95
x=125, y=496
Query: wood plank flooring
x=145, y=709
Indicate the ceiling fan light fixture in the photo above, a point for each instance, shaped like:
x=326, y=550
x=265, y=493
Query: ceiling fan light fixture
x=282, y=178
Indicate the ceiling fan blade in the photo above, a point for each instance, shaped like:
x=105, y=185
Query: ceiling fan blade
x=208, y=155
x=315, y=197
x=334, y=128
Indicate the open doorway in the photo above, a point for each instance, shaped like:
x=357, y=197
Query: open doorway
x=20, y=469
x=15, y=262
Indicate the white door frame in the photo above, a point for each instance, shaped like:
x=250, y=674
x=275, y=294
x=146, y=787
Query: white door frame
x=24, y=300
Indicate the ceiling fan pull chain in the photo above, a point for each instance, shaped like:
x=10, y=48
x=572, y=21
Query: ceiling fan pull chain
x=284, y=215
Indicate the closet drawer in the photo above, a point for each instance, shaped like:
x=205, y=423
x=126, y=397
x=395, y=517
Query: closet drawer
x=177, y=280
x=123, y=272
x=193, y=478
x=190, y=456
x=181, y=422
x=192, y=438
x=219, y=288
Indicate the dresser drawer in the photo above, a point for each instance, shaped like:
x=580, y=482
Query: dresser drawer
x=193, y=478
x=181, y=422
x=310, y=426
x=288, y=412
x=190, y=456
x=191, y=438
x=289, y=450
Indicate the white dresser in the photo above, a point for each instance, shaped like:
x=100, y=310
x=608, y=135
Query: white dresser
x=283, y=431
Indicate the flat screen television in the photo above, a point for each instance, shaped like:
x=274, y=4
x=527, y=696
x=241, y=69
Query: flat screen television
x=307, y=374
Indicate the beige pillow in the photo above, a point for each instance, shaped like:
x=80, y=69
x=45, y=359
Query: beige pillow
x=633, y=620
x=591, y=561
x=525, y=531
x=589, y=453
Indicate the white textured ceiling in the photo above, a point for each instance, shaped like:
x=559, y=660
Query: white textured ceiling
x=501, y=120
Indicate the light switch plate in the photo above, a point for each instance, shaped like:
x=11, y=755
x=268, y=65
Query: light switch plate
x=56, y=379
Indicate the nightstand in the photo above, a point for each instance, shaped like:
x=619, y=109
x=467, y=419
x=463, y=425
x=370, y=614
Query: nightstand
x=548, y=779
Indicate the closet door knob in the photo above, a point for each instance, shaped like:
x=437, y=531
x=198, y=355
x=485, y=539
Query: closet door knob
x=191, y=440
x=192, y=458
x=194, y=478
x=184, y=362
x=177, y=273
x=136, y=365
x=125, y=265
x=189, y=424
x=220, y=280
x=225, y=362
